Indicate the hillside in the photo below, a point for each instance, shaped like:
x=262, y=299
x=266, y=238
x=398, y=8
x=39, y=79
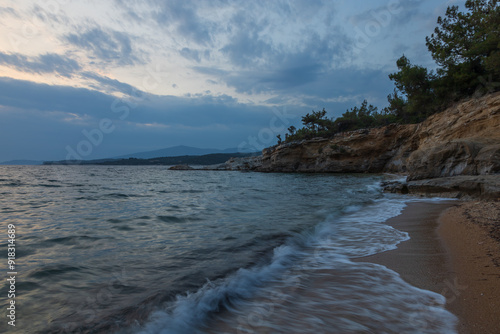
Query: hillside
x=176, y=151
x=207, y=159
x=462, y=140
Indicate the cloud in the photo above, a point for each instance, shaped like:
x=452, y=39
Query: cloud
x=106, y=84
x=193, y=110
x=195, y=55
x=47, y=63
x=50, y=98
x=391, y=13
x=263, y=68
x=186, y=20
x=199, y=120
x=300, y=54
x=49, y=15
x=274, y=46
x=246, y=46
x=108, y=46
x=8, y=11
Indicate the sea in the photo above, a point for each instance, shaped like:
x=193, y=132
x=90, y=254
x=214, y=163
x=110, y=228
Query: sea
x=143, y=249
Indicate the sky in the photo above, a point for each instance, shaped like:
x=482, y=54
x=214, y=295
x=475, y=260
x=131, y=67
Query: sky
x=97, y=79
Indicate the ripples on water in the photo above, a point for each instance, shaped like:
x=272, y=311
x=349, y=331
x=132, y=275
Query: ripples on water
x=147, y=250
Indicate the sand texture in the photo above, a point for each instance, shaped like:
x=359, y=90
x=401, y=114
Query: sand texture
x=454, y=250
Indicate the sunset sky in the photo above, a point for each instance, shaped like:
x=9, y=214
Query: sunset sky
x=96, y=79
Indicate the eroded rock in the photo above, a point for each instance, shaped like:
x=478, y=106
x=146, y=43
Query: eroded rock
x=462, y=140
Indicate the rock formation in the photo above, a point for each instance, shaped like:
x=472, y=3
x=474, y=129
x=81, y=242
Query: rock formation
x=462, y=140
x=181, y=167
x=460, y=186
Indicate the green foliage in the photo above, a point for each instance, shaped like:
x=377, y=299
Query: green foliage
x=317, y=125
x=317, y=121
x=415, y=83
x=357, y=118
x=466, y=47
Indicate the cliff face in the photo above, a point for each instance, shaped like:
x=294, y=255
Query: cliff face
x=353, y=152
x=463, y=140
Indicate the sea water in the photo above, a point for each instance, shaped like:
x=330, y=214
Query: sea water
x=141, y=249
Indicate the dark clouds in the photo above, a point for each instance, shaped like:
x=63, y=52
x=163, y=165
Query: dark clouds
x=140, y=120
x=251, y=42
x=105, y=84
x=43, y=97
x=263, y=63
x=187, y=21
x=106, y=46
x=300, y=55
x=46, y=63
x=273, y=47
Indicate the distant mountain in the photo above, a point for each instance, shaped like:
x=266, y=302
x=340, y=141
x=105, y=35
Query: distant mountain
x=22, y=162
x=207, y=159
x=175, y=151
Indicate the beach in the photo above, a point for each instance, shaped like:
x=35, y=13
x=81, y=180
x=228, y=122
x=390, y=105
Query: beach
x=452, y=251
x=283, y=264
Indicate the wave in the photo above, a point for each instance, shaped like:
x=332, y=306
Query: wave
x=177, y=219
x=53, y=270
x=329, y=246
x=191, y=310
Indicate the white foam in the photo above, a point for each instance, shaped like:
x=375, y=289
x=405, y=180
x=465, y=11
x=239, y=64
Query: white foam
x=359, y=232
x=352, y=297
x=191, y=310
x=396, y=177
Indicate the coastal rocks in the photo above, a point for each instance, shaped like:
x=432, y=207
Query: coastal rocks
x=181, y=167
x=462, y=140
x=461, y=157
x=215, y=167
x=245, y=164
x=236, y=164
x=488, y=160
x=463, y=187
x=251, y=163
x=395, y=187
x=362, y=151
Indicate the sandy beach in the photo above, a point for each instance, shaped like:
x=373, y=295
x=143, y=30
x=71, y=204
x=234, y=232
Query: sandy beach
x=454, y=250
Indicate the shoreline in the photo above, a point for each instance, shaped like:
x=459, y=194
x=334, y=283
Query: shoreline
x=451, y=254
x=475, y=259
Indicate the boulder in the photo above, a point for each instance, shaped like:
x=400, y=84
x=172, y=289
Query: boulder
x=181, y=167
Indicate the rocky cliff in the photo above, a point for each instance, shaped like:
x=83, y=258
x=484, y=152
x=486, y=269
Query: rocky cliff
x=462, y=140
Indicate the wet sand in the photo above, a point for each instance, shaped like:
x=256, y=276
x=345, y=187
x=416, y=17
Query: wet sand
x=453, y=253
x=468, y=233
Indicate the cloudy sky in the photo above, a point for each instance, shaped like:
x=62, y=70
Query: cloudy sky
x=94, y=79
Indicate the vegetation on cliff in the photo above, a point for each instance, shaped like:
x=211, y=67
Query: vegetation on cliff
x=466, y=48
